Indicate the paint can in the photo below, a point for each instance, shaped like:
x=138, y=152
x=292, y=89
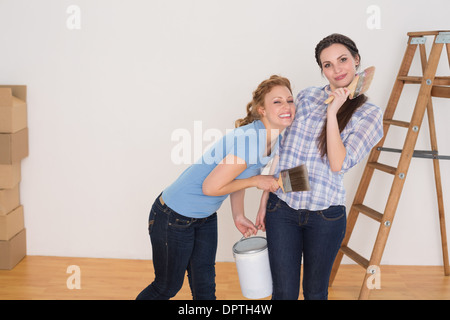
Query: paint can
x=252, y=263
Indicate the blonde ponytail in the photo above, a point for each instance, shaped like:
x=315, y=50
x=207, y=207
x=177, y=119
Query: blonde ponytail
x=249, y=118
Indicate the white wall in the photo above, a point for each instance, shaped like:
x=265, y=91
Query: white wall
x=105, y=99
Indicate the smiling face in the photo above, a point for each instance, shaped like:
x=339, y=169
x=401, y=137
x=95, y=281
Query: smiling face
x=279, y=109
x=338, y=65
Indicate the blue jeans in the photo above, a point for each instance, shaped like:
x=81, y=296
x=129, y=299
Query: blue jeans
x=315, y=236
x=181, y=243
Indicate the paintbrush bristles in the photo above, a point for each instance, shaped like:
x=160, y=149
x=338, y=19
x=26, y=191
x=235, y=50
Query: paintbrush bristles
x=352, y=87
x=295, y=179
x=365, y=79
x=298, y=177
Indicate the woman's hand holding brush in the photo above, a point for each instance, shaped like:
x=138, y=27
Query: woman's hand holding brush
x=266, y=183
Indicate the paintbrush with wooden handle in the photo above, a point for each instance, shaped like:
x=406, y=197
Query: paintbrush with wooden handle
x=359, y=85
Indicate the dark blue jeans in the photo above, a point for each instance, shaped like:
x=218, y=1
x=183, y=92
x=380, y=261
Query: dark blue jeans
x=315, y=236
x=180, y=243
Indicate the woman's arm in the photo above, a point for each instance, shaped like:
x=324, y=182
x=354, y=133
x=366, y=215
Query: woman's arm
x=260, y=221
x=244, y=225
x=336, y=151
x=261, y=216
x=222, y=179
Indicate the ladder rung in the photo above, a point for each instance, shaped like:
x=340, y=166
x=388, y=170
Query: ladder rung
x=425, y=33
x=363, y=262
x=382, y=167
x=443, y=81
x=369, y=212
x=440, y=92
x=397, y=123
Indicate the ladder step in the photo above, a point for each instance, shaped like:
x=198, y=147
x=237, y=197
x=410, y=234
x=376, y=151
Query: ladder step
x=363, y=262
x=424, y=33
x=440, y=92
x=397, y=123
x=369, y=212
x=382, y=167
x=443, y=81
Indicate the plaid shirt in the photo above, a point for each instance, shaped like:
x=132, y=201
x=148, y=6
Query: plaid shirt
x=300, y=145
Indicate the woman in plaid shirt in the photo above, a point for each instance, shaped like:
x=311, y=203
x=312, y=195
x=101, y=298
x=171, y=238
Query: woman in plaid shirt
x=329, y=140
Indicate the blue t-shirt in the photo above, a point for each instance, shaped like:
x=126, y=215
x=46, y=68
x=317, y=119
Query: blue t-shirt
x=185, y=195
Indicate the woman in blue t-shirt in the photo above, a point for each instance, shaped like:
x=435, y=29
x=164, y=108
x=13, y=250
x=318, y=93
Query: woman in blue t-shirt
x=183, y=219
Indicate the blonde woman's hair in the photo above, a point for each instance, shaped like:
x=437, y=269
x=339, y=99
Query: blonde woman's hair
x=258, y=98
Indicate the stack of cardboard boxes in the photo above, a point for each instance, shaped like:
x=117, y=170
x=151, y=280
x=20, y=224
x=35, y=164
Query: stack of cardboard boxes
x=13, y=148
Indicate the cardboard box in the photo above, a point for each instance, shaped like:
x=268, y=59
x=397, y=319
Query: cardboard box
x=9, y=199
x=13, y=250
x=11, y=223
x=9, y=175
x=13, y=108
x=13, y=146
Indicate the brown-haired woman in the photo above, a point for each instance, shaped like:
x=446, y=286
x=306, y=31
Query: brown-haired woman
x=329, y=140
x=183, y=219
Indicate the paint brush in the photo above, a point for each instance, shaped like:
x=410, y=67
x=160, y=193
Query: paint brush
x=295, y=179
x=359, y=85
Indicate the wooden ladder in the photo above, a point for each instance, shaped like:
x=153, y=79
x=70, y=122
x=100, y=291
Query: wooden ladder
x=430, y=86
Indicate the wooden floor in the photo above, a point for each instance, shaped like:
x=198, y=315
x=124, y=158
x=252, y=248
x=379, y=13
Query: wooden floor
x=37, y=277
